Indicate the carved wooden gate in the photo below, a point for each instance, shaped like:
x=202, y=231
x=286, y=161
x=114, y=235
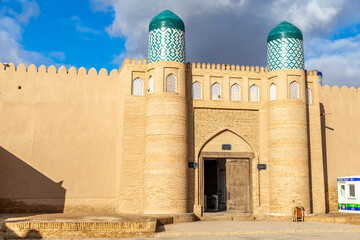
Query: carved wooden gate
x=238, y=185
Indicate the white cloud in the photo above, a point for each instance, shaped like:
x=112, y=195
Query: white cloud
x=81, y=28
x=339, y=60
x=57, y=55
x=131, y=18
x=10, y=49
x=30, y=9
x=11, y=29
x=235, y=31
x=308, y=15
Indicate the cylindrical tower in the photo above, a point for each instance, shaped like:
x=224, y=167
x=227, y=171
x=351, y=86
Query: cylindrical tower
x=289, y=177
x=165, y=182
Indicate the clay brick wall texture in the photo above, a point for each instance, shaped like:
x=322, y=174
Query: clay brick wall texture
x=77, y=140
x=341, y=128
x=58, y=141
x=210, y=121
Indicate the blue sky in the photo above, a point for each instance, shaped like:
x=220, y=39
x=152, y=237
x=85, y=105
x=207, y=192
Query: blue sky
x=101, y=33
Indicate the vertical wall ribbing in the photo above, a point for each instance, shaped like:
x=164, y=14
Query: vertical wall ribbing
x=165, y=182
x=288, y=150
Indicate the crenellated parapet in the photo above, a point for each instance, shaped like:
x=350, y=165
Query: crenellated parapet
x=72, y=71
x=344, y=94
x=226, y=67
x=51, y=84
x=343, y=89
x=135, y=61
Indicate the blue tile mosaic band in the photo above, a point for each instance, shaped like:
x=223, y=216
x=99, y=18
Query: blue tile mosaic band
x=285, y=48
x=166, y=38
x=285, y=54
x=167, y=44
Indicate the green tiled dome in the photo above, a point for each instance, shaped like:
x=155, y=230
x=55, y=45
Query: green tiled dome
x=166, y=19
x=166, y=38
x=284, y=30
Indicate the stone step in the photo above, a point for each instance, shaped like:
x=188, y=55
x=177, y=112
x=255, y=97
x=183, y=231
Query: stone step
x=75, y=229
x=224, y=216
x=86, y=225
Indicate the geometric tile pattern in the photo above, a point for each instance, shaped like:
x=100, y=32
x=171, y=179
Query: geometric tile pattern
x=286, y=53
x=166, y=44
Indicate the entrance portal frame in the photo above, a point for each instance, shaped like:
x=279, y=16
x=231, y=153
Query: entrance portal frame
x=227, y=155
x=241, y=148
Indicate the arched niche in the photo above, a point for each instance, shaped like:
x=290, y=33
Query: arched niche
x=239, y=146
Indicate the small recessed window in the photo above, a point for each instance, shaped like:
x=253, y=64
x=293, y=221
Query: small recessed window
x=196, y=90
x=151, y=85
x=308, y=96
x=171, y=83
x=294, y=90
x=352, y=190
x=235, y=92
x=273, y=92
x=216, y=91
x=254, y=94
x=138, y=86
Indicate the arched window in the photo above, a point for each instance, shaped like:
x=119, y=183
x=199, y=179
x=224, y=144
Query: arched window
x=151, y=85
x=171, y=84
x=235, y=93
x=138, y=87
x=294, y=90
x=308, y=96
x=273, y=92
x=254, y=94
x=216, y=91
x=196, y=90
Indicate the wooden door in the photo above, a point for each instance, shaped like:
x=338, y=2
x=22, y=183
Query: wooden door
x=238, y=185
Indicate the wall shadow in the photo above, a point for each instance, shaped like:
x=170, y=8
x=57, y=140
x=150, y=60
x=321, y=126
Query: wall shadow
x=324, y=153
x=191, y=138
x=309, y=152
x=23, y=189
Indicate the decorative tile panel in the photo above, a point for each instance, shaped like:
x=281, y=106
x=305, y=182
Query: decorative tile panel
x=286, y=53
x=167, y=44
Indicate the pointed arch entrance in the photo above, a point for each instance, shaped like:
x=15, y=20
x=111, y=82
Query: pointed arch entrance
x=225, y=173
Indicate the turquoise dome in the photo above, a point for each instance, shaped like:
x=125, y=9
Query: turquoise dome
x=166, y=19
x=284, y=30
